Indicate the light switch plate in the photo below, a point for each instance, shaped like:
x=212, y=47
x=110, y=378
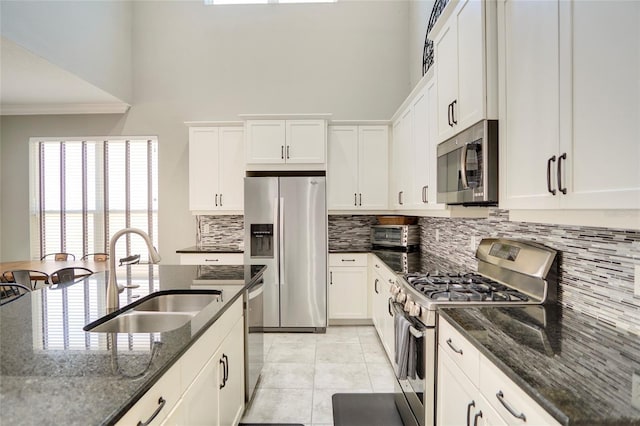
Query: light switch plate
x=635, y=390
x=636, y=286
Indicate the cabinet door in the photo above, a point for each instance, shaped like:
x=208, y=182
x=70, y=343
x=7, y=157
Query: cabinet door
x=231, y=192
x=446, y=61
x=420, y=149
x=373, y=167
x=457, y=396
x=200, y=401
x=470, y=100
x=231, y=395
x=432, y=154
x=529, y=107
x=204, y=177
x=342, y=168
x=603, y=153
x=265, y=141
x=400, y=158
x=387, y=324
x=348, y=296
x=306, y=141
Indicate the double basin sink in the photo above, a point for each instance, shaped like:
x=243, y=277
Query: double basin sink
x=157, y=312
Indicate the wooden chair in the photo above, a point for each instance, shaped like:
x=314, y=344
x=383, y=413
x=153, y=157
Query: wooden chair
x=69, y=275
x=59, y=256
x=26, y=277
x=11, y=291
x=96, y=257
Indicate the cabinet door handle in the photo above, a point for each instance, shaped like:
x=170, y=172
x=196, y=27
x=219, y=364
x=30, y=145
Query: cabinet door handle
x=469, y=405
x=549, y=189
x=475, y=419
x=360, y=202
x=453, y=111
x=224, y=381
x=375, y=286
x=449, y=114
x=330, y=277
x=520, y=416
x=161, y=404
x=226, y=368
x=559, y=176
x=282, y=152
x=450, y=343
x=389, y=306
x=355, y=198
x=216, y=200
x=377, y=266
x=400, y=198
x=424, y=194
x=220, y=200
x=288, y=152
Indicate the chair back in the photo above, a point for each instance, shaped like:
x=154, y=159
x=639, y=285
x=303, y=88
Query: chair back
x=96, y=257
x=69, y=275
x=59, y=256
x=26, y=277
x=11, y=291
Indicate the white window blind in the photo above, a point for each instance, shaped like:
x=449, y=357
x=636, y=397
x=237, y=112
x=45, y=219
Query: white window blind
x=82, y=192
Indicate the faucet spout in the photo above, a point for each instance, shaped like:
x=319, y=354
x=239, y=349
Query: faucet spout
x=113, y=302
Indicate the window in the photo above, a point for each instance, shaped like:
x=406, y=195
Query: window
x=83, y=191
x=227, y=2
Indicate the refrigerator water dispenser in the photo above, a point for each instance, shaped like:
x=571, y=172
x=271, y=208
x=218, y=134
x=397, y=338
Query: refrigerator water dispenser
x=262, y=240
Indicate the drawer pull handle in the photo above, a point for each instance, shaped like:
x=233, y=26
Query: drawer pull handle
x=520, y=416
x=348, y=260
x=375, y=286
x=469, y=406
x=161, y=404
x=211, y=260
x=458, y=351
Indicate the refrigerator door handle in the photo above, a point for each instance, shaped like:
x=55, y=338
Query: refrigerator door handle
x=281, y=242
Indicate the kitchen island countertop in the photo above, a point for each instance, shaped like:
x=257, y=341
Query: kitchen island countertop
x=581, y=370
x=210, y=249
x=53, y=372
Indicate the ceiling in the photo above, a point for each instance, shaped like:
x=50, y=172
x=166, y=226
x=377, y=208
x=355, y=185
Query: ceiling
x=30, y=84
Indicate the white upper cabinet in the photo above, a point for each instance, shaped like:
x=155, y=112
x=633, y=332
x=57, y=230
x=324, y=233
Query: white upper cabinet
x=413, y=157
x=465, y=62
x=277, y=142
x=569, y=117
x=216, y=168
x=357, y=175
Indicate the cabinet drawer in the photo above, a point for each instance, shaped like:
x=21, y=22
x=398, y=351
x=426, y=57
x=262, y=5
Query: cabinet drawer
x=348, y=259
x=199, y=353
x=461, y=351
x=497, y=387
x=167, y=388
x=212, y=259
x=381, y=268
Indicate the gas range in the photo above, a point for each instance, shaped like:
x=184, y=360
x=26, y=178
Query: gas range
x=510, y=272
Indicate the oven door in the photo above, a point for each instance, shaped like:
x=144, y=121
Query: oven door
x=417, y=385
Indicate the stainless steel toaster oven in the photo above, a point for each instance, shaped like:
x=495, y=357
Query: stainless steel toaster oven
x=395, y=235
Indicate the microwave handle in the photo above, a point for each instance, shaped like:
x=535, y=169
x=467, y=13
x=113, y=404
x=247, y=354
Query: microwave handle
x=463, y=167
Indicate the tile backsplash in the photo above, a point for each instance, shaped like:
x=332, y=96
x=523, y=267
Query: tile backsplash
x=597, y=264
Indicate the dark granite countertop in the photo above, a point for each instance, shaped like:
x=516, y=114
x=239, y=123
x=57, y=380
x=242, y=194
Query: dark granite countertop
x=52, y=372
x=210, y=249
x=581, y=370
x=349, y=251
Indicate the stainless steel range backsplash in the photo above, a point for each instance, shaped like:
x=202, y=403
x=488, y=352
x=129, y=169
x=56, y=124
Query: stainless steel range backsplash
x=597, y=264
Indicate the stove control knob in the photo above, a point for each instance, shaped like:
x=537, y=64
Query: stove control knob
x=415, y=310
x=401, y=297
x=395, y=289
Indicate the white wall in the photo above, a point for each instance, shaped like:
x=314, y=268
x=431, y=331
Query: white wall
x=195, y=62
x=419, y=13
x=91, y=39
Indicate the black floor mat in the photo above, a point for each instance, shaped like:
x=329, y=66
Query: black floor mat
x=365, y=409
x=270, y=424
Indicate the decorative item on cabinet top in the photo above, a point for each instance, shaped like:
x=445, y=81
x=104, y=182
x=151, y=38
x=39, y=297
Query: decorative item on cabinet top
x=427, y=52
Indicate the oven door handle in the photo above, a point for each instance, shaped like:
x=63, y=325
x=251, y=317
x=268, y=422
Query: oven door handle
x=415, y=332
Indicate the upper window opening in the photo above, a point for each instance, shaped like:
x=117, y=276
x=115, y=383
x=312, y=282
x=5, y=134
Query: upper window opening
x=228, y=2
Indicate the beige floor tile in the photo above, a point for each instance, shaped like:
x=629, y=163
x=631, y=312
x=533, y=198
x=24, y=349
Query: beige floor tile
x=292, y=352
x=382, y=377
x=327, y=352
x=341, y=376
x=280, y=406
x=287, y=376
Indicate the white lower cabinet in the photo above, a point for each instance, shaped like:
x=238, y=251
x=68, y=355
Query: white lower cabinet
x=471, y=390
x=211, y=258
x=348, y=292
x=381, y=278
x=200, y=388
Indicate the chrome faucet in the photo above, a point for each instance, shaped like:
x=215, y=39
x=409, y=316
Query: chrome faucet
x=113, y=303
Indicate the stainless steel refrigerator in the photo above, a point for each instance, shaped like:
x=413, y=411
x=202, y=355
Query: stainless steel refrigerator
x=285, y=222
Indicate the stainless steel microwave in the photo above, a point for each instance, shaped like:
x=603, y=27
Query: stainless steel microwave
x=468, y=166
x=395, y=235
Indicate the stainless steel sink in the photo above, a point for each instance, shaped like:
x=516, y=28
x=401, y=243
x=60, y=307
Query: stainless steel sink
x=143, y=322
x=177, y=303
x=157, y=312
